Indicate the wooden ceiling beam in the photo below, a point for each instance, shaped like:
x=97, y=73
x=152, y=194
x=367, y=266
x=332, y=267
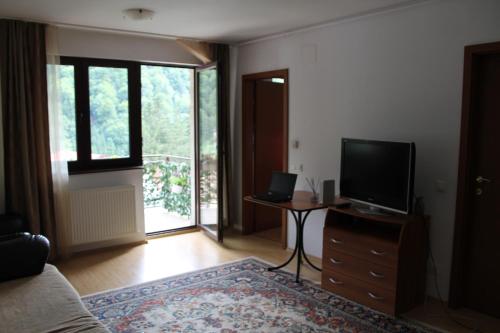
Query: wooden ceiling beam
x=201, y=50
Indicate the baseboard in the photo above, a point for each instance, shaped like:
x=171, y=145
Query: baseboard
x=128, y=239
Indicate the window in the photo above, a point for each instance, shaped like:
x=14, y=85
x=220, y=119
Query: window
x=101, y=113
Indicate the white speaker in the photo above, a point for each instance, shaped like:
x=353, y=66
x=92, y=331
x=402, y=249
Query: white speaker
x=328, y=191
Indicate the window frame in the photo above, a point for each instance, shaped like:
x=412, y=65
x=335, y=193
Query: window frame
x=84, y=162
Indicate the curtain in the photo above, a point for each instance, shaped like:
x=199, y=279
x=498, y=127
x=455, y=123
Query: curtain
x=220, y=54
x=59, y=163
x=235, y=199
x=23, y=81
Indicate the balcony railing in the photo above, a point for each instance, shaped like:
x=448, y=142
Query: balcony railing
x=167, y=183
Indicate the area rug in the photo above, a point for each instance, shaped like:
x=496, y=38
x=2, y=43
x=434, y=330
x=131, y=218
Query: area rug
x=236, y=297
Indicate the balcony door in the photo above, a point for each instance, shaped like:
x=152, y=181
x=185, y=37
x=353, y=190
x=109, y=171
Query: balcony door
x=208, y=153
x=167, y=98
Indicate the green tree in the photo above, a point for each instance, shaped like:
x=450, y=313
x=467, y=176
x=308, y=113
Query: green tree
x=167, y=104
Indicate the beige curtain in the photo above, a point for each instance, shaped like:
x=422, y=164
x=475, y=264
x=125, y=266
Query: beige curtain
x=59, y=163
x=23, y=80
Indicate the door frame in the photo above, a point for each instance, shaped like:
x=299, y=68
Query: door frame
x=247, y=125
x=463, y=211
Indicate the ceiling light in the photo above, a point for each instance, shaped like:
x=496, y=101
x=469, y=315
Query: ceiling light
x=138, y=14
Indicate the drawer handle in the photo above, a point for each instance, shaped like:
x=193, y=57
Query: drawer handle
x=336, y=262
x=378, y=298
x=336, y=241
x=378, y=253
x=377, y=275
x=332, y=280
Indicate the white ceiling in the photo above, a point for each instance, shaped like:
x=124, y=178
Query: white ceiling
x=229, y=21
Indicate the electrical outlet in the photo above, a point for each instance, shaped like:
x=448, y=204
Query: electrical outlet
x=294, y=168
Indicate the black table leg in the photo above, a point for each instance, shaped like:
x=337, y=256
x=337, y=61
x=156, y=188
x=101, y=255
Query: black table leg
x=302, y=243
x=299, y=245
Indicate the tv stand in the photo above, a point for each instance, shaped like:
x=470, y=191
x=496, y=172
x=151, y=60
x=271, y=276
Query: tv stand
x=376, y=260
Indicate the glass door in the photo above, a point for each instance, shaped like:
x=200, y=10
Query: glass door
x=208, y=151
x=167, y=97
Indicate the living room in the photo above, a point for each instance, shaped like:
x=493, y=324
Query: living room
x=385, y=71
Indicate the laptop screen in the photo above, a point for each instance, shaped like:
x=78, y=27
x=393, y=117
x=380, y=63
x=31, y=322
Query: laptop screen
x=283, y=183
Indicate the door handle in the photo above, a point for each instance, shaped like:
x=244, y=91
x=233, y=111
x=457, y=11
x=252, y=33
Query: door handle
x=481, y=179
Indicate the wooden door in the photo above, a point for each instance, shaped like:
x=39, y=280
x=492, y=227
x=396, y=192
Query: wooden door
x=268, y=147
x=479, y=194
x=265, y=145
x=483, y=274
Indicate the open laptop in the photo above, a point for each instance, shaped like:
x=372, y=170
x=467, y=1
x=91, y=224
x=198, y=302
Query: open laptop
x=280, y=189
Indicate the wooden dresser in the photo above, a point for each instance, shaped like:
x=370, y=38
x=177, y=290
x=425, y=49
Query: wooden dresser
x=378, y=261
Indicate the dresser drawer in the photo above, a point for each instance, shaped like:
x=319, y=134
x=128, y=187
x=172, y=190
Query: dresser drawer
x=368, y=247
x=359, y=291
x=380, y=275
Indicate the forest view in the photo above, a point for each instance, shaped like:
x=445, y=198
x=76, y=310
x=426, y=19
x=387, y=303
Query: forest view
x=167, y=102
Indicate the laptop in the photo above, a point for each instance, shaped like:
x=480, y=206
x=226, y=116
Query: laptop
x=280, y=189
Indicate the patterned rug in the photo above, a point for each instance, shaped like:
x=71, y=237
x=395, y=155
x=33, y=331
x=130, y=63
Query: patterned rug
x=236, y=297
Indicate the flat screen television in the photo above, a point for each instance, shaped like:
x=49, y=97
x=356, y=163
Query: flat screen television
x=379, y=174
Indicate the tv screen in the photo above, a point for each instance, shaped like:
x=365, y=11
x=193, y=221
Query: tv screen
x=378, y=173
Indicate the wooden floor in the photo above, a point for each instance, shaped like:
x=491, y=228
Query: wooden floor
x=271, y=234
x=101, y=270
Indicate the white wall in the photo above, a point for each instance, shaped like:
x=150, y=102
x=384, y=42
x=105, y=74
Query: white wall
x=393, y=76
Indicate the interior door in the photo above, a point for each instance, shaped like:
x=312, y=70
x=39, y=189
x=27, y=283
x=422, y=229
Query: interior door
x=482, y=282
x=264, y=136
x=268, y=147
x=208, y=152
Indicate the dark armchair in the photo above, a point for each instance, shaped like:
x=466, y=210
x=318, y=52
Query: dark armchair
x=21, y=253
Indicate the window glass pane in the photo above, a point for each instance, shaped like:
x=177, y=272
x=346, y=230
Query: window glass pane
x=208, y=158
x=65, y=101
x=167, y=105
x=109, y=112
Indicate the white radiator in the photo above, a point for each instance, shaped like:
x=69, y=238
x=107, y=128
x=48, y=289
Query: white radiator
x=101, y=214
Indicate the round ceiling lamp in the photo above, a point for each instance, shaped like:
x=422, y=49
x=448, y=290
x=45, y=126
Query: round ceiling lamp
x=138, y=14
